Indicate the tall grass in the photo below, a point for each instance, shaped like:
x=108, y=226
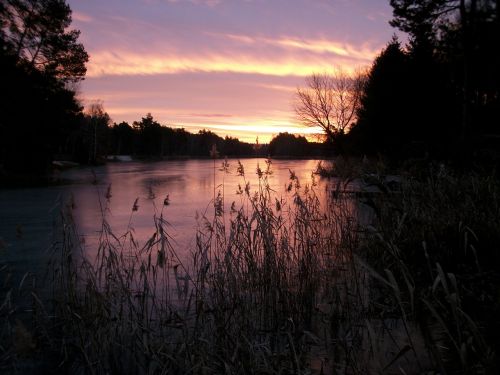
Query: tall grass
x=294, y=282
x=435, y=247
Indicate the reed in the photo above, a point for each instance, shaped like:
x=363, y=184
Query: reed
x=434, y=252
x=278, y=283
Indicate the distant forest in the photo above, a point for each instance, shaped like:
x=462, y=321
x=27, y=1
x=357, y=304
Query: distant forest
x=438, y=97
x=96, y=139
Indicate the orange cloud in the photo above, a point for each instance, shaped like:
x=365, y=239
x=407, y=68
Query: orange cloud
x=363, y=53
x=280, y=56
x=288, y=89
x=129, y=63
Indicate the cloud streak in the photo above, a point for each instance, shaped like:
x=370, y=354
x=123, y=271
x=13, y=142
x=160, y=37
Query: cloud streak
x=282, y=56
x=104, y=63
x=81, y=17
x=320, y=45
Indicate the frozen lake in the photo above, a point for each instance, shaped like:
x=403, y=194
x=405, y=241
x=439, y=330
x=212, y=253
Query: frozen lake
x=28, y=216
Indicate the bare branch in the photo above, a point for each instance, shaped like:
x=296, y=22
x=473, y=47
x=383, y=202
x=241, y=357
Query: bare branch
x=330, y=101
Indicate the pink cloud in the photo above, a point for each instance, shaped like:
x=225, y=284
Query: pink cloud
x=81, y=17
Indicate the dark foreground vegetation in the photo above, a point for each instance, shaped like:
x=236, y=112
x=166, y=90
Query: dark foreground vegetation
x=404, y=280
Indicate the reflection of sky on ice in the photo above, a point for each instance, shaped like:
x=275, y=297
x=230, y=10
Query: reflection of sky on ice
x=30, y=216
x=189, y=185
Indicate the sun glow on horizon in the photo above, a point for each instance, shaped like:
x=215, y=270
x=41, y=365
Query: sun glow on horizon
x=264, y=131
x=246, y=129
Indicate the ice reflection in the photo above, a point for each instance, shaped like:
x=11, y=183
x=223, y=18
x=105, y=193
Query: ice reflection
x=189, y=185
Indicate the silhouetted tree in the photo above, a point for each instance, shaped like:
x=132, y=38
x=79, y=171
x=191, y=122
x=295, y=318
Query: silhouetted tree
x=233, y=147
x=463, y=37
x=330, y=102
x=286, y=144
x=149, y=136
x=407, y=108
x=179, y=142
x=36, y=33
x=39, y=56
x=203, y=142
x=122, y=136
x=384, y=108
x=38, y=114
x=440, y=96
x=96, y=132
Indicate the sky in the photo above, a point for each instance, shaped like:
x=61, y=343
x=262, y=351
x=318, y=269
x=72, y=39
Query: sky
x=229, y=66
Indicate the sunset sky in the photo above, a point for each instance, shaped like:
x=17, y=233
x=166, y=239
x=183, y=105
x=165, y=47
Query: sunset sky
x=230, y=66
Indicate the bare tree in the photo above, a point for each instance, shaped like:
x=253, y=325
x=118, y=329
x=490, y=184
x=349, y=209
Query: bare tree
x=98, y=121
x=330, y=101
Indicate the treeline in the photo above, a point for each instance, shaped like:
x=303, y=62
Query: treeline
x=147, y=139
x=293, y=145
x=439, y=96
x=97, y=139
